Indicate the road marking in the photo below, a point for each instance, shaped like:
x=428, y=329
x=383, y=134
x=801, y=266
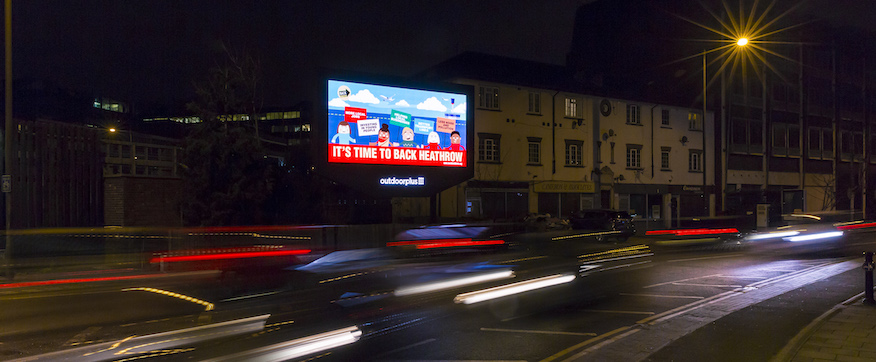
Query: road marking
x=703, y=258
x=680, y=281
x=599, y=345
x=725, y=301
x=420, y=343
x=616, y=311
x=663, y=296
x=538, y=332
x=81, y=336
x=709, y=285
x=250, y=296
x=582, y=344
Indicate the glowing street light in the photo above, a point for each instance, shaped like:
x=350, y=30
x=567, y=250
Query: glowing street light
x=742, y=42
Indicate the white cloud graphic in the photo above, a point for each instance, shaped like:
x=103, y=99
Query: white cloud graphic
x=460, y=109
x=337, y=102
x=432, y=104
x=403, y=103
x=364, y=96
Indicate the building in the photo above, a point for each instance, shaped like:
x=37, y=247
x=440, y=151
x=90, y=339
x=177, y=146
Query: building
x=546, y=144
x=795, y=128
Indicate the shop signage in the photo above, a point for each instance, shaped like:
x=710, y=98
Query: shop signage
x=560, y=186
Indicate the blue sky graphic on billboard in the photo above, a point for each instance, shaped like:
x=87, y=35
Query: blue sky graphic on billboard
x=376, y=124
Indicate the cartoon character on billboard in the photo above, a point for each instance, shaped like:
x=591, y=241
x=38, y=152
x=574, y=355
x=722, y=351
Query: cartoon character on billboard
x=455, y=142
x=344, y=134
x=383, y=137
x=433, y=141
x=408, y=138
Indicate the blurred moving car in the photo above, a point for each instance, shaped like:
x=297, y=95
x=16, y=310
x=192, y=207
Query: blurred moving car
x=544, y=222
x=807, y=232
x=604, y=220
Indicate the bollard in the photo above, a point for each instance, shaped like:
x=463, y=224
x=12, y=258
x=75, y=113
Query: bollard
x=868, y=278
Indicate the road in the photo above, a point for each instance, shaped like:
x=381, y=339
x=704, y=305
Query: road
x=717, y=302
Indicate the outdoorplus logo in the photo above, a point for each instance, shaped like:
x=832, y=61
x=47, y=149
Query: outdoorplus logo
x=410, y=181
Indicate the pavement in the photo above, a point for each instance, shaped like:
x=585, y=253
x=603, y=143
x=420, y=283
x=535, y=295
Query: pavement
x=846, y=332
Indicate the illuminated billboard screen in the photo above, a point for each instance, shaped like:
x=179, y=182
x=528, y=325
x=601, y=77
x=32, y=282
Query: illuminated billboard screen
x=384, y=125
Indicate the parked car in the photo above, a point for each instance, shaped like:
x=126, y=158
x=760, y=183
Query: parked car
x=603, y=220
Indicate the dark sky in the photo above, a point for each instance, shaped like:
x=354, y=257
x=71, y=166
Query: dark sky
x=151, y=51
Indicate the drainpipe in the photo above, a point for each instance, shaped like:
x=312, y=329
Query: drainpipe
x=554, y=133
x=652, y=143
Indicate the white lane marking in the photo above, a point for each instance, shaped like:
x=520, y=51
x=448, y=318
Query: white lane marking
x=680, y=281
x=533, y=331
x=616, y=311
x=420, y=343
x=739, y=277
x=662, y=296
x=703, y=258
x=249, y=296
x=709, y=285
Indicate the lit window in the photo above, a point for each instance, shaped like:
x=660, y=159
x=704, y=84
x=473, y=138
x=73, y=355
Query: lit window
x=488, y=97
x=571, y=107
x=695, y=122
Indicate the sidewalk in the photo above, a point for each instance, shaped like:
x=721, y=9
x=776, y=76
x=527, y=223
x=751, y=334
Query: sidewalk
x=847, y=332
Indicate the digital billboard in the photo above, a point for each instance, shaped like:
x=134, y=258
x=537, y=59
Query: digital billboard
x=387, y=125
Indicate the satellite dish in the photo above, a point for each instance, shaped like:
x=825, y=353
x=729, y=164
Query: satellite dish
x=605, y=136
x=611, y=133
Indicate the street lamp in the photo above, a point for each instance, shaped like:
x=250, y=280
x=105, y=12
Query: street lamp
x=740, y=44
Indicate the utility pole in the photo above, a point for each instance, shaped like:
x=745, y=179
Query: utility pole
x=7, y=149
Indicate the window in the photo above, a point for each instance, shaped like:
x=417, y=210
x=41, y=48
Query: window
x=664, y=121
x=633, y=114
x=634, y=156
x=571, y=107
x=535, y=102
x=488, y=97
x=820, y=143
x=786, y=139
x=695, y=161
x=746, y=136
x=534, y=150
x=695, y=122
x=488, y=147
x=574, y=152
x=664, y=158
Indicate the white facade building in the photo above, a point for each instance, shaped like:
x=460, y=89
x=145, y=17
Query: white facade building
x=545, y=150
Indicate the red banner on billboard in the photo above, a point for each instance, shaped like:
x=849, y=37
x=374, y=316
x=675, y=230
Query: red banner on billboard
x=353, y=114
x=395, y=156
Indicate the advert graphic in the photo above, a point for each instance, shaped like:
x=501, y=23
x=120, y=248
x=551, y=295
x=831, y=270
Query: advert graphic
x=375, y=124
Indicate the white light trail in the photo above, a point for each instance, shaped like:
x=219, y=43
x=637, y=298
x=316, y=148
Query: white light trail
x=452, y=283
x=511, y=289
x=826, y=235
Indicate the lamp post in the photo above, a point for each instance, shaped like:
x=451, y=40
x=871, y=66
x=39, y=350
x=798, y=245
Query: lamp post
x=740, y=43
x=7, y=144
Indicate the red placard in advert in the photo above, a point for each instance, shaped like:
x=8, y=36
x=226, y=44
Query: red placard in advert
x=395, y=156
x=353, y=114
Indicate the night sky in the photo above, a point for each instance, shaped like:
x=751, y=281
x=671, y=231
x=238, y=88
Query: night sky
x=150, y=52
